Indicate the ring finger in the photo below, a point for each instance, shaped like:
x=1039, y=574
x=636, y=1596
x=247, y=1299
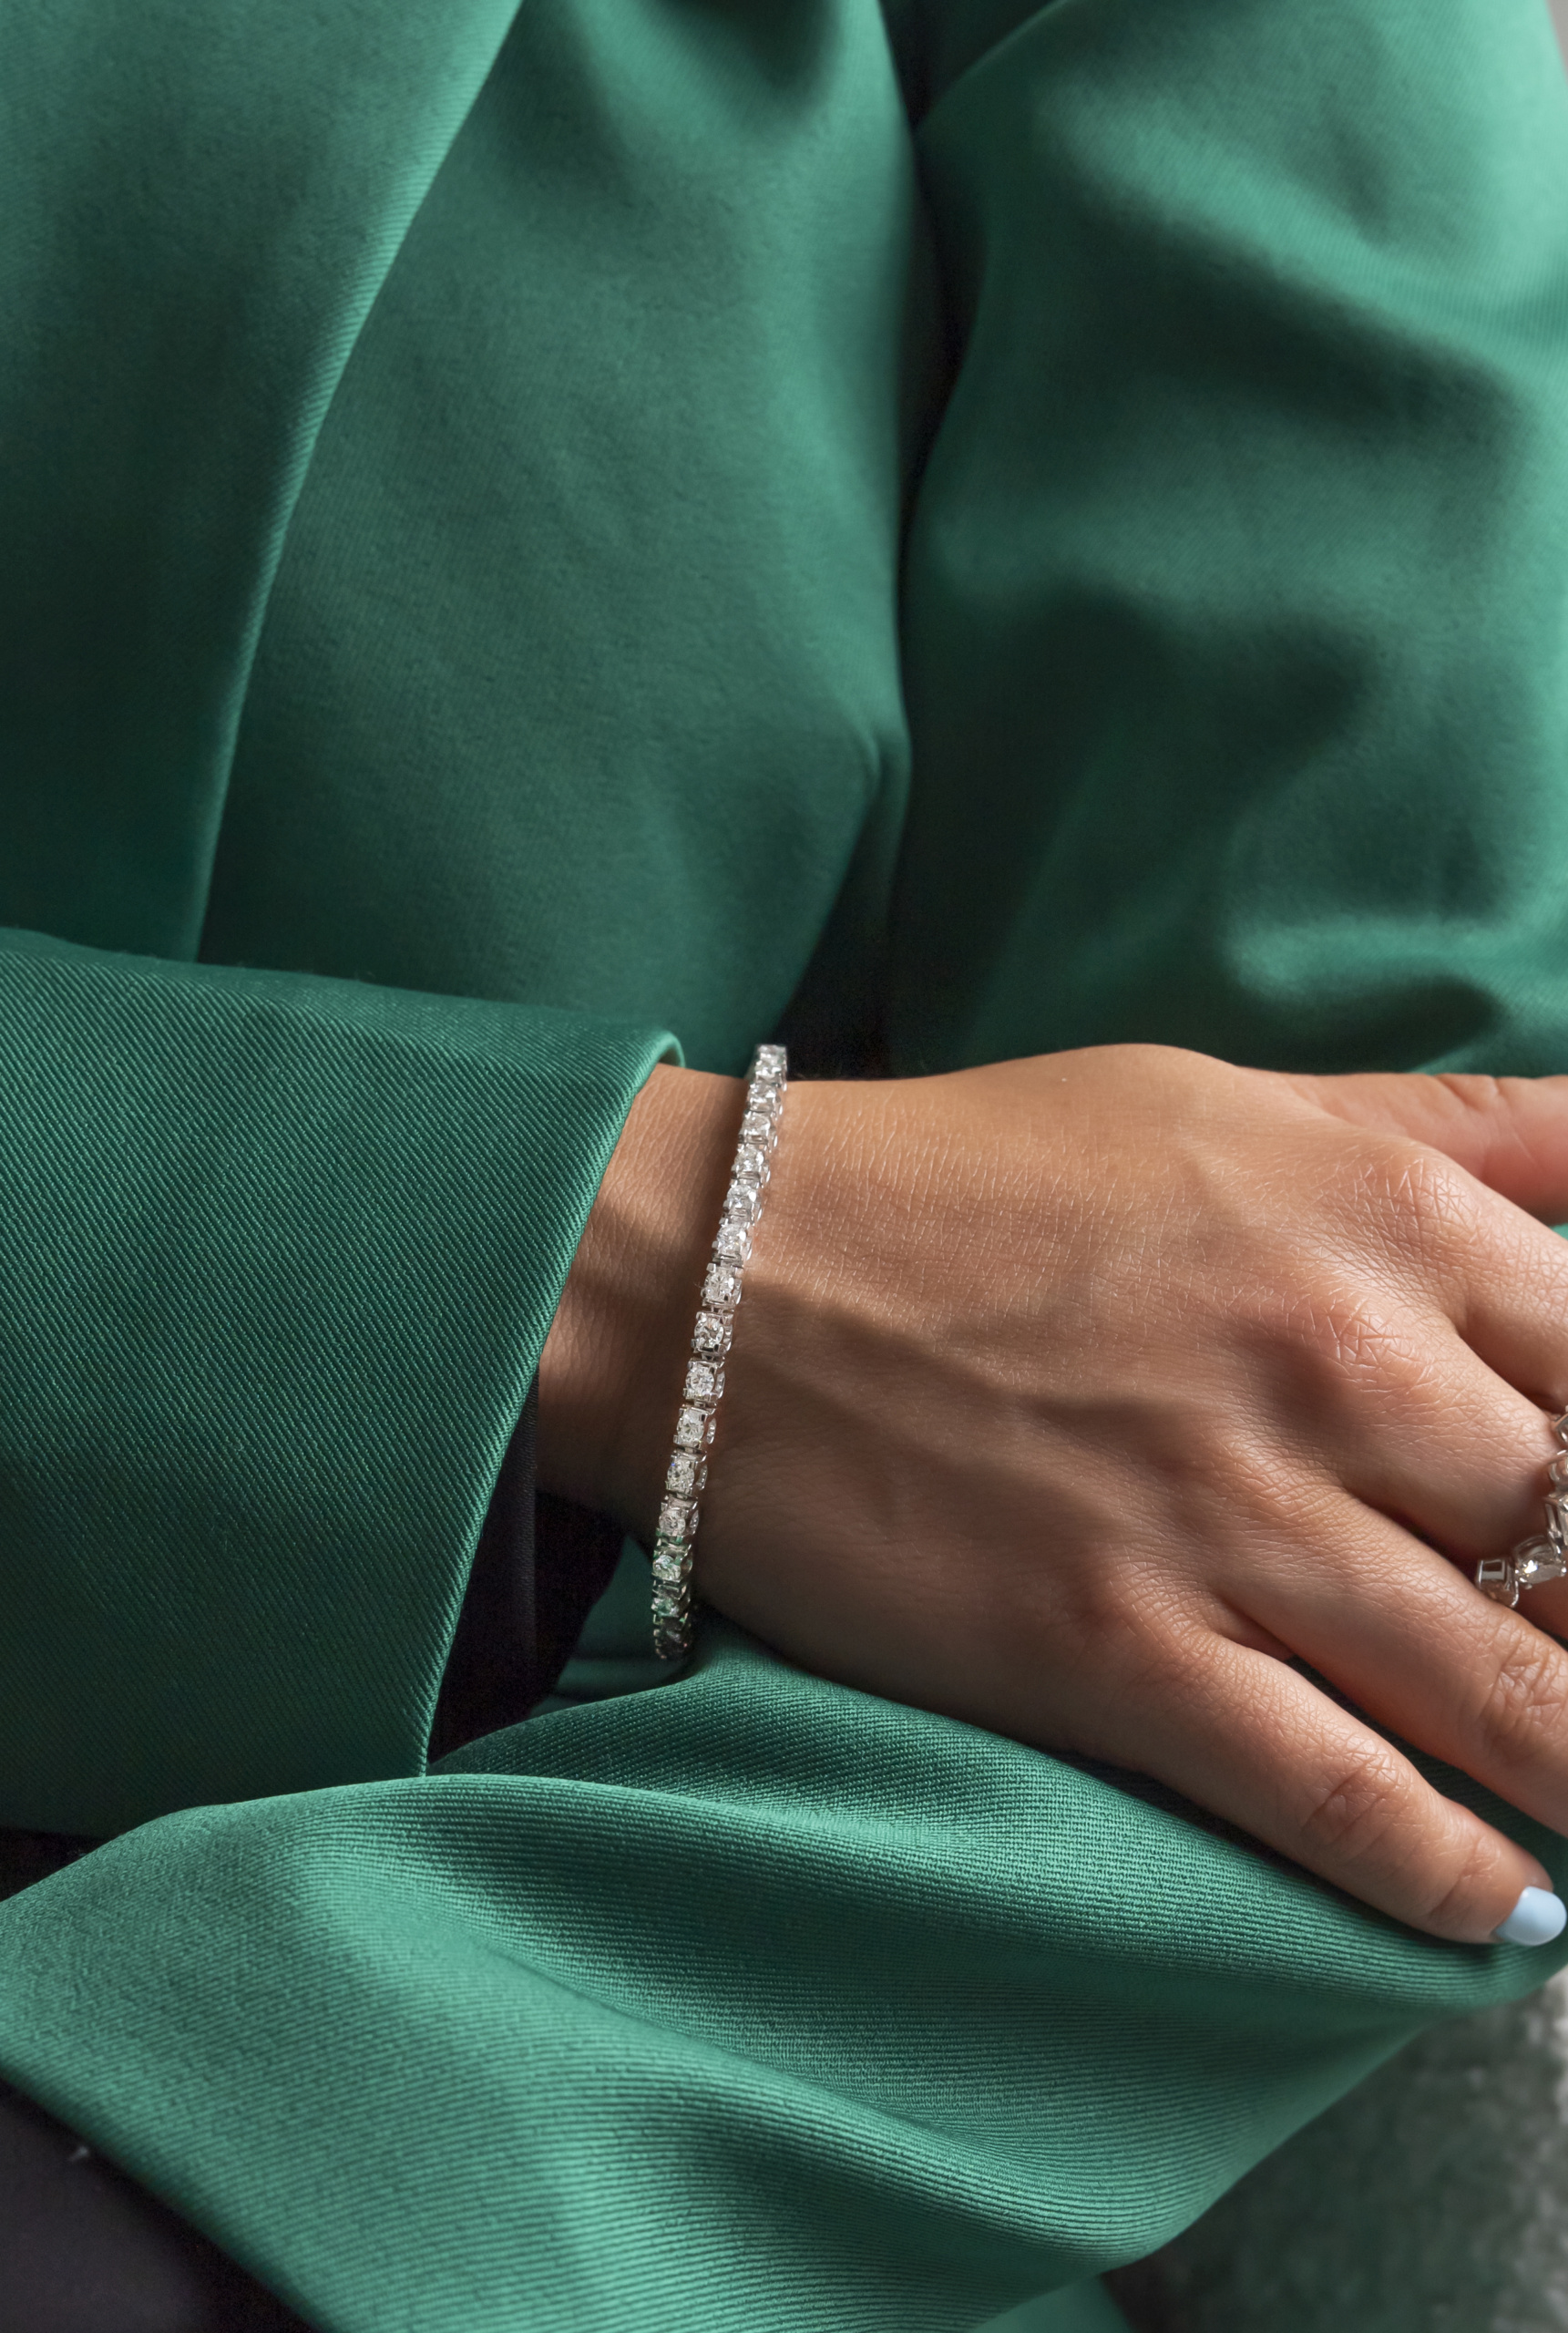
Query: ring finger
x=1407, y=1637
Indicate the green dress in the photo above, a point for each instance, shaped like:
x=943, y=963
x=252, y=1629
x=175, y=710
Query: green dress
x=529, y=538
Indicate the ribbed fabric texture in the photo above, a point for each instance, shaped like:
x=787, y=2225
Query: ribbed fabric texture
x=278, y=1256
x=746, y=2001
x=459, y=563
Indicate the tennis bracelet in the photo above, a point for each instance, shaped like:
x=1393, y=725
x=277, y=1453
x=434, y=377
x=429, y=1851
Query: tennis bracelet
x=704, y=1386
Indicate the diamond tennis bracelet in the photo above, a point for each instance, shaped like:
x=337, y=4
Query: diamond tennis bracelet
x=688, y=1469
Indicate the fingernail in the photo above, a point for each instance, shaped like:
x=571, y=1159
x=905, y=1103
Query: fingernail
x=1536, y=1918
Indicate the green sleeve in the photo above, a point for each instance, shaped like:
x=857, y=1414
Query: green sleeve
x=200, y=207
x=279, y=1256
x=1236, y=590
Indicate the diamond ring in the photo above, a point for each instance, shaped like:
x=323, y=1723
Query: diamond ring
x=1534, y=1561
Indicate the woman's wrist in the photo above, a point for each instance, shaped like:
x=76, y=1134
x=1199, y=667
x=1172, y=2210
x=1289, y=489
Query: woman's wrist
x=613, y=1365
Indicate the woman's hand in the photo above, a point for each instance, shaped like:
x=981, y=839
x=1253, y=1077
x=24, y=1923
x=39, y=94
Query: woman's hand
x=1075, y=1395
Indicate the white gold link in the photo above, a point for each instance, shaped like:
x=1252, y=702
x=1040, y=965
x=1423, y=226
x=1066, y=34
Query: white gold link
x=688, y=1469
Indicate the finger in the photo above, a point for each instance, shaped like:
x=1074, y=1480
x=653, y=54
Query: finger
x=1413, y=1643
x=1464, y=1465
x=1500, y=1276
x=1509, y=1133
x=1508, y=1297
x=1256, y=1744
x=1422, y=1430
x=1426, y=1232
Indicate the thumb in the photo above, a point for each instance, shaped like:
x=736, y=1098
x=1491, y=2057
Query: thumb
x=1509, y=1133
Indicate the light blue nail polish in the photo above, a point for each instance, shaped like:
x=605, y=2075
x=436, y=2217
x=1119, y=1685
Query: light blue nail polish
x=1536, y=1918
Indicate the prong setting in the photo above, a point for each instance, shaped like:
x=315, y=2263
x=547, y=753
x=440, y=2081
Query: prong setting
x=686, y=1475
x=1534, y=1562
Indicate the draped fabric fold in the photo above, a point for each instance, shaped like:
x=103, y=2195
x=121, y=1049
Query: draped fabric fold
x=200, y=205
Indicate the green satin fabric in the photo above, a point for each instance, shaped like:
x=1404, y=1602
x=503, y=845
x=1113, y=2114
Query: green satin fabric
x=526, y=543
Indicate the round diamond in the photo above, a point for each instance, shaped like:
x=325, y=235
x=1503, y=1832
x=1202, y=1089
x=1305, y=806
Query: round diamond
x=694, y=1429
x=705, y=1381
x=1535, y=1561
x=712, y=1334
x=733, y=1244
x=721, y=1286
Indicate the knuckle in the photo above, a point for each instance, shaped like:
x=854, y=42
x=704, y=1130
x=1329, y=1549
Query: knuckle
x=1455, y=1889
x=1478, y=1093
x=1100, y=1608
x=1130, y=1628
x=1341, y=1336
x=1479, y=1089
x=1219, y=1449
x=1525, y=1702
x=1423, y=1203
x=1362, y=1806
